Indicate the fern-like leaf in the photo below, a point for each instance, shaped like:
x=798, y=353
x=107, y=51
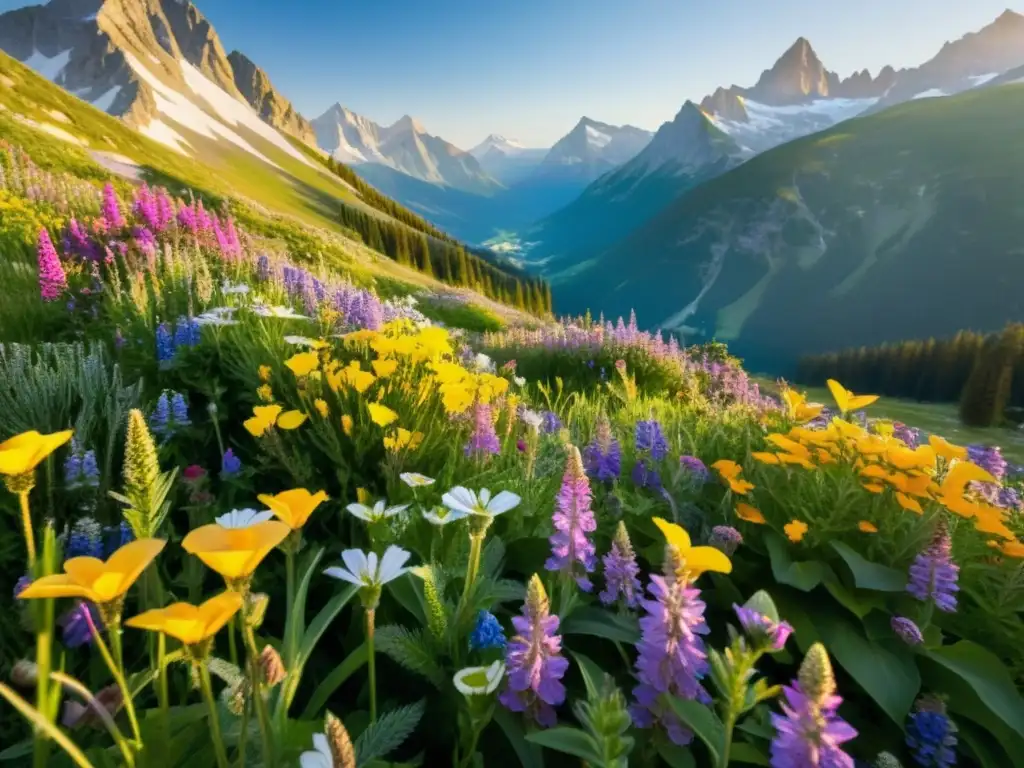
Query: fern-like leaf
x=388, y=733
x=412, y=650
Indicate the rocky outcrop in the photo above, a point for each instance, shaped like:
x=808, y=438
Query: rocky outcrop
x=256, y=88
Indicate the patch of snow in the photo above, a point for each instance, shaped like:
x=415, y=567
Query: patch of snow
x=178, y=108
x=50, y=68
x=119, y=164
x=235, y=112
x=106, y=101
x=931, y=93
x=767, y=126
x=596, y=138
x=57, y=115
x=977, y=80
x=52, y=130
x=345, y=152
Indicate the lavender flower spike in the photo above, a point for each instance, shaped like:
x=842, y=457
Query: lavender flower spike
x=534, y=660
x=621, y=571
x=671, y=657
x=603, y=457
x=809, y=734
x=933, y=574
x=484, y=441
x=650, y=439
x=572, y=551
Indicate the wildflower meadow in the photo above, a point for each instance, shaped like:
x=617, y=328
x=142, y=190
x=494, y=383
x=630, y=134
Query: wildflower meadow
x=262, y=510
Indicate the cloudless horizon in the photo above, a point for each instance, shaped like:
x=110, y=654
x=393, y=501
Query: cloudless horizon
x=530, y=70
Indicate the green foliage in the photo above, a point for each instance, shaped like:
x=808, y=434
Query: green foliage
x=387, y=734
x=458, y=315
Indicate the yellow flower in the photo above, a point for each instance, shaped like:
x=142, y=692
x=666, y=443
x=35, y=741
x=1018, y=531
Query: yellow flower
x=23, y=453
x=303, y=363
x=235, y=553
x=384, y=368
x=846, y=401
x=797, y=407
x=765, y=458
x=749, y=513
x=346, y=424
x=908, y=503
x=867, y=527
x=874, y=487
x=730, y=472
x=263, y=418
x=265, y=393
x=291, y=420
x=293, y=507
x=960, y=474
x=795, y=530
x=265, y=373
x=321, y=407
x=456, y=398
x=403, y=438
x=1012, y=549
x=190, y=624
x=363, y=496
x=92, y=579
x=696, y=560
x=381, y=415
x=947, y=450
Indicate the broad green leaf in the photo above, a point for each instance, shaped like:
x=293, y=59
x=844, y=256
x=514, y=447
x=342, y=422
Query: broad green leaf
x=598, y=623
x=703, y=722
x=333, y=681
x=805, y=575
x=747, y=753
x=296, y=623
x=887, y=673
x=572, y=741
x=530, y=755
x=321, y=621
x=593, y=675
x=675, y=756
x=869, y=575
x=858, y=602
x=792, y=607
x=987, y=677
x=985, y=750
x=404, y=590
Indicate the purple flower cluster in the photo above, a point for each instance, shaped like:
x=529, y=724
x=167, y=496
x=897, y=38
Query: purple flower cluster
x=645, y=476
x=695, y=470
x=621, y=571
x=934, y=574
x=77, y=242
x=651, y=440
x=81, y=470
x=169, y=415
x=52, y=280
x=551, y=423
x=572, y=551
x=75, y=625
x=603, y=457
x=483, y=442
x=670, y=655
x=931, y=735
x=112, y=215
x=989, y=458
x=906, y=630
x=763, y=631
x=911, y=436
x=534, y=660
x=725, y=538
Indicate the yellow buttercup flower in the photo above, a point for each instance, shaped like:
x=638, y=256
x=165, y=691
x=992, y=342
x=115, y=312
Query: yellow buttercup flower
x=797, y=407
x=795, y=530
x=187, y=623
x=265, y=393
x=401, y=439
x=346, y=424
x=1012, y=549
x=867, y=527
x=696, y=560
x=22, y=453
x=945, y=449
x=235, y=553
x=321, y=408
x=846, y=401
x=750, y=514
x=263, y=418
x=381, y=415
x=384, y=368
x=293, y=507
x=730, y=473
x=265, y=372
x=303, y=363
x=291, y=419
x=92, y=579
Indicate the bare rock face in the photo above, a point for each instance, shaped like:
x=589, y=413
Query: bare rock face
x=256, y=88
x=796, y=77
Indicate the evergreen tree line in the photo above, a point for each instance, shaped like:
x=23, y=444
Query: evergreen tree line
x=983, y=372
x=448, y=261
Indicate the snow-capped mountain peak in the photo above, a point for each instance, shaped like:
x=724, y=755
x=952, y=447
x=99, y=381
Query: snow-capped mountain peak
x=593, y=147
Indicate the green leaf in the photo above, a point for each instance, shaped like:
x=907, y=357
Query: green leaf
x=593, y=675
x=530, y=755
x=320, y=623
x=804, y=576
x=747, y=753
x=985, y=750
x=572, y=741
x=404, y=590
x=296, y=623
x=676, y=756
x=410, y=649
x=887, y=673
x=703, y=722
x=858, y=602
x=333, y=681
x=388, y=733
x=869, y=575
x=598, y=623
x=987, y=677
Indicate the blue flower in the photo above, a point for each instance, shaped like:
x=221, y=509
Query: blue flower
x=230, y=464
x=90, y=469
x=186, y=332
x=160, y=420
x=487, y=633
x=551, y=422
x=164, y=343
x=179, y=410
x=85, y=539
x=931, y=737
x=75, y=627
x=650, y=439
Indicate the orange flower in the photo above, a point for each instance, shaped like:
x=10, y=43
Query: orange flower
x=730, y=472
x=947, y=450
x=795, y=530
x=1013, y=549
x=749, y=513
x=866, y=527
x=846, y=400
x=293, y=507
x=908, y=503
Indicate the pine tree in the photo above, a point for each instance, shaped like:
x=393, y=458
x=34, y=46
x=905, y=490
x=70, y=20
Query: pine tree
x=987, y=391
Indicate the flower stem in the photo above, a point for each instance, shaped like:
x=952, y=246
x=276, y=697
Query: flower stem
x=116, y=670
x=218, y=742
x=371, y=663
x=44, y=640
x=476, y=542
x=26, y=523
x=289, y=644
x=257, y=693
x=232, y=650
x=243, y=735
x=162, y=690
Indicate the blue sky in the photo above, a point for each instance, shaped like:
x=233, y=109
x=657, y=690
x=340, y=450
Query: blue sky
x=530, y=69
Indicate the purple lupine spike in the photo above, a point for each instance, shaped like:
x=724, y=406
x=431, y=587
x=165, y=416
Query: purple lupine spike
x=603, y=457
x=934, y=574
x=809, y=733
x=112, y=208
x=534, y=660
x=483, y=443
x=670, y=655
x=52, y=280
x=572, y=551
x=145, y=240
x=650, y=439
x=621, y=571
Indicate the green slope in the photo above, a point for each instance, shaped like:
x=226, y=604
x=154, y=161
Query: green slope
x=903, y=224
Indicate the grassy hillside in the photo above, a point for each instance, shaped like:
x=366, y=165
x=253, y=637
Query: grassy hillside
x=903, y=224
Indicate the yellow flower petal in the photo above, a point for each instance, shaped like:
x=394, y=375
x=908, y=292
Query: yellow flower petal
x=293, y=507
x=701, y=559
x=58, y=585
x=322, y=408
x=346, y=424
x=675, y=535
x=750, y=514
x=235, y=553
x=795, y=530
x=384, y=368
x=188, y=623
x=23, y=453
x=381, y=415
x=867, y=527
x=291, y=420
x=303, y=363
x=946, y=449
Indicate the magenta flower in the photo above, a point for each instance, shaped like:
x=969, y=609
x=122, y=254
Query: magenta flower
x=534, y=660
x=112, y=208
x=484, y=440
x=572, y=551
x=621, y=571
x=764, y=631
x=52, y=280
x=671, y=657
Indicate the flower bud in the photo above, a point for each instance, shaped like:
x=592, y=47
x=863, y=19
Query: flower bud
x=256, y=608
x=24, y=673
x=342, y=751
x=817, y=680
x=271, y=667
x=887, y=760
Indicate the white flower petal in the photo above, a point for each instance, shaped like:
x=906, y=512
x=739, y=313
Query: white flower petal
x=460, y=499
x=495, y=673
x=392, y=562
x=392, y=511
x=415, y=480
x=355, y=560
x=361, y=511
x=519, y=380
x=503, y=502
x=484, y=495
x=372, y=570
x=340, y=573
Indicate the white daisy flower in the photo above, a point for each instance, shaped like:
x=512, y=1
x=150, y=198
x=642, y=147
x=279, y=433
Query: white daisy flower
x=532, y=419
x=243, y=518
x=377, y=513
x=366, y=571
x=228, y=288
x=478, y=681
x=320, y=757
x=461, y=499
x=519, y=380
x=483, y=363
x=415, y=479
x=304, y=341
x=285, y=313
x=442, y=516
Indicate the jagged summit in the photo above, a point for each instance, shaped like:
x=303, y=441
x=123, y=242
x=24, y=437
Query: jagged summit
x=254, y=84
x=797, y=76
